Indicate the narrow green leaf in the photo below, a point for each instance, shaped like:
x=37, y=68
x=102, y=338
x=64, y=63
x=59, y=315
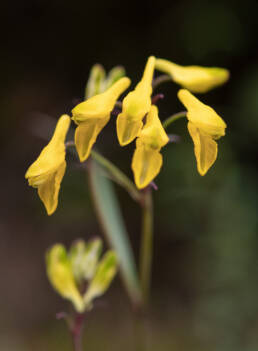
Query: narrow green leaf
x=110, y=216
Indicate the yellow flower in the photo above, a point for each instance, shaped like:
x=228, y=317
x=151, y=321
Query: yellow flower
x=135, y=106
x=147, y=159
x=204, y=126
x=93, y=114
x=195, y=78
x=47, y=172
x=60, y=274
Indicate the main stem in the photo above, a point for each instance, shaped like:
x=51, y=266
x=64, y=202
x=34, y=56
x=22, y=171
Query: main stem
x=146, y=243
x=76, y=331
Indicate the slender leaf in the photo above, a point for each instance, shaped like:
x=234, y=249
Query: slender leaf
x=110, y=216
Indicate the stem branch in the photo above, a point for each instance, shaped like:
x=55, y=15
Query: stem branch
x=173, y=118
x=160, y=79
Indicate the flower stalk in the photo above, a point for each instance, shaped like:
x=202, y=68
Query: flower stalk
x=146, y=250
x=173, y=118
x=76, y=331
x=164, y=78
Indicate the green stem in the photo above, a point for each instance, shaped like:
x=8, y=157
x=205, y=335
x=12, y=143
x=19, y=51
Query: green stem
x=146, y=244
x=173, y=118
x=115, y=172
x=159, y=80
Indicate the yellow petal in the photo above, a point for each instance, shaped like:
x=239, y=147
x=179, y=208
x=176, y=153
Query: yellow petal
x=153, y=133
x=195, y=78
x=136, y=104
x=145, y=84
x=60, y=275
x=127, y=130
x=49, y=190
x=52, y=156
x=205, y=149
x=86, y=134
x=101, y=105
x=146, y=164
x=202, y=116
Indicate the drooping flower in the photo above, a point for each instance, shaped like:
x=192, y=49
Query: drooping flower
x=194, y=78
x=92, y=115
x=47, y=172
x=135, y=106
x=147, y=159
x=204, y=126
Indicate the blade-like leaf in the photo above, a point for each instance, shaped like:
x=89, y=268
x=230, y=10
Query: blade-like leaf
x=110, y=216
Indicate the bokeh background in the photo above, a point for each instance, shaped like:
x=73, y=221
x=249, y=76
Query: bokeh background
x=205, y=268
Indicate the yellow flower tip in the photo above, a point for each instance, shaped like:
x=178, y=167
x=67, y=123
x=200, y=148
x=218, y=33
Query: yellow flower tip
x=53, y=154
x=202, y=116
x=143, y=89
x=101, y=105
x=195, y=78
x=47, y=172
x=149, y=70
x=61, y=130
x=135, y=106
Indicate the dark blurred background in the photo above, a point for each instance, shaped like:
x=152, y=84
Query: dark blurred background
x=205, y=275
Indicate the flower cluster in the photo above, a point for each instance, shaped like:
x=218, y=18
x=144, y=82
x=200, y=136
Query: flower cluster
x=79, y=275
x=138, y=120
